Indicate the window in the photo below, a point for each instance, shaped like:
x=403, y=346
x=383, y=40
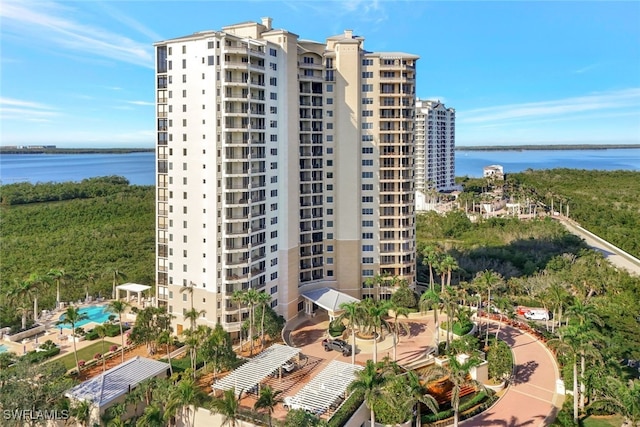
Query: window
x=329, y=248
x=184, y=78
x=273, y=66
x=367, y=162
x=329, y=236
x=367, y=174
x=274, y=262
x=273, y=52
x=273, y=95
x=329, y=87
x=329, y=199
x=367, y=113
x=210, y=45
x=329, y=150
x=367, y=138
x=307, y=60
x=329, y=260
x=367, y=101
x=329, y=162
x=273, y=110
x=367, y=88
x=367, y=150
x=274, y=234
x=274, y=248
x=330, y=273
x=367, y=223
x=367, y=199
x=329, y=223
x=367, y=248
x=367, y=74
x=329, y=211
x=329, y=101
x=273, y=124
x=367, y=125
x=367, y=211
x=367, y=260
x=274, y=138
x=367, y=273
x=274, y=193
x=274, y=165
x=329, y=125
x=366, y=62
x=273, y=81
x=367, y=235
x=329, y=139
x=367, y=187
x=210, y=58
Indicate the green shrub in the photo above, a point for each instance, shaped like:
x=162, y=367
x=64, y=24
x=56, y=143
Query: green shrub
x=336, y=328
x=39, y=356
x=348, y=408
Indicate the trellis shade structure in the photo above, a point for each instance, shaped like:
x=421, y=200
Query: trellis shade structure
x=257, y=369
x=324, y=389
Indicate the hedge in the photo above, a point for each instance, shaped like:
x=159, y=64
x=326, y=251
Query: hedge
x=347, y=409
x=39, y=356
x=448, y=413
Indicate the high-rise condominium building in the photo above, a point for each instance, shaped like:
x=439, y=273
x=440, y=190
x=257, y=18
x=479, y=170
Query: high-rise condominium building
x=283, y=165
x=435, y=146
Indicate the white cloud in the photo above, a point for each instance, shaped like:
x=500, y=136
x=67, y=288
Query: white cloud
x=18, y=109
x=604, y=101
x=140, y=103
x=53, y=24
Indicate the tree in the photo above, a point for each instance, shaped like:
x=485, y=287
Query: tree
x=430, y=257
x=352, y=315
x=227, y=406
x=57, y=275
x=116, y=275
x=370, y=382
x=81, y=411
x=71, y=317
x=101, y=330
x=557, y=295
x=398, y=326
x=37, y=282
x=459, y=377
x=448, y=264
x=268, y=399
x=431, y=300
x=374, y=313
x=263, y=299
x=119, y=307
x=183, y=395
x=419, y=394
x=567, y=346
x=153, y=416
x=488, y=280
x=218, y=350
x=403, y=296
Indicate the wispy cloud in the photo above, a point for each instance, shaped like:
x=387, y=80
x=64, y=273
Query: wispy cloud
x=604, y=101
x=17, y=109
x=140, y=103
x=54, y=24
x=585, y=69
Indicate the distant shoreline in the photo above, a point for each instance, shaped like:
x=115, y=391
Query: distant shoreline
x=546, y=147
x=12, y=150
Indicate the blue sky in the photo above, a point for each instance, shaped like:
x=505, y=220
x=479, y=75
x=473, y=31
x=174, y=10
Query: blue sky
x=80, y=74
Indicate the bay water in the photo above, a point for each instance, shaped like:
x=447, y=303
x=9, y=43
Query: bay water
x=139, y=168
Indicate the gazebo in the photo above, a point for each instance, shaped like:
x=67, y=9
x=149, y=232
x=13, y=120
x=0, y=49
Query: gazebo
x=132, y=287
x=328, y=299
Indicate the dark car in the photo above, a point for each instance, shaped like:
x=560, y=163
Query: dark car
x=337, y=345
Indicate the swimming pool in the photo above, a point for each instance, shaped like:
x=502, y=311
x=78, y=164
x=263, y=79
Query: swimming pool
x=95, y=313
x=3, y=348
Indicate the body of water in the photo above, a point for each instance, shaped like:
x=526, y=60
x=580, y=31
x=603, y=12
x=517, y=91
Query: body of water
x=95, y=313
x=139, y=168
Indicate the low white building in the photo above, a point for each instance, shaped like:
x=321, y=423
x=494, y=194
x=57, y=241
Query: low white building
x=112, y=386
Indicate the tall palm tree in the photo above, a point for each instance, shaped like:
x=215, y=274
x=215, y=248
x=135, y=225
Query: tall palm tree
x=420, y=393
x=352, y=315
x=116, y=275
x=119, y=307
x=370, y=381
x=57, y=275
x=227, y=406
x=450, y=301
x=431, y=300
x=19, y=295
x=37, y=282
x=101, y=330
x=152, y=416
x=268, y=399
x=459, y=377
x=218, y=349
x=263, y=299
x=251, y=298
x=189, y=289
x=166, y=339
x=449, y=264
x=398, y=326
x=185, y=394
x=488, y=280
x=375, y=313
x=239, y=298
x=430, y=257
x=567, y=345
x=81, y=411
x=71, y=317
x=557, y=295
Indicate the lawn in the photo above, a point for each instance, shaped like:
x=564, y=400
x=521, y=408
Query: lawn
x=603, y=421
x=85, y=354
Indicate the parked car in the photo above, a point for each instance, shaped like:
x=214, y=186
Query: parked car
x=289, y=366
x=537, y=314
x=337, y=345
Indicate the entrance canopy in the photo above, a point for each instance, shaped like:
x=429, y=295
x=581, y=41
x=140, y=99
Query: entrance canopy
x=328, y=299
x=132, y=287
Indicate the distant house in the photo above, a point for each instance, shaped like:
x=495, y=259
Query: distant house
x=493, y=171
x=112, y=386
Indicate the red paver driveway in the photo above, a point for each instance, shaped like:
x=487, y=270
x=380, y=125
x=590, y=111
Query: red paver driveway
x=531, y=399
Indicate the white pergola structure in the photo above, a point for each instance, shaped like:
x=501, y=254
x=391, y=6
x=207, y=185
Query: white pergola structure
x=252, y=373
x=326, y=389
x=132, y=287
x=328, y=299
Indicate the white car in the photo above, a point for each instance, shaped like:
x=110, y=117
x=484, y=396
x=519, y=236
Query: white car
x=289, y=366
x=537, y=315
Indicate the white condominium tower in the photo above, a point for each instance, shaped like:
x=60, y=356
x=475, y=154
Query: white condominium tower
x=283, y=165
x=435, y=146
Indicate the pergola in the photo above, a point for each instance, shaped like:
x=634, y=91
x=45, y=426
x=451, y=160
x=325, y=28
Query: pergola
x=132, y=287
x=252, y=373
x=328, y=299
x=325, y=389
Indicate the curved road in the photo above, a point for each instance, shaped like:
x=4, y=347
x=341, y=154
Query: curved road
x=531, y=399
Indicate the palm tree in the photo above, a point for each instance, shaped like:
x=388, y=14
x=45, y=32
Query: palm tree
x=71, y=317
x=459, y=377
x=268, y=399
x=115, y=275
x=430, y=257
x=57, y=275
x=567, y=346
x=431, y=300
x=488, y=280
x=397, y=326
x=375, y=313
x=263, y=299
x=81, y=411
x=370, y=381
x=185, y=394
x=152, y=416
x=251, y=298
x=218, y=349
x=352, y=314
x=101, y=330
x=227, y=406
x=449, y=264
x=420, y=394
x=189, y=289
x=238, y=298
x=119, y=307
x=450, y=301
x=193, y=315
x=37, y=282
x=166, y=339
x=557, y=295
